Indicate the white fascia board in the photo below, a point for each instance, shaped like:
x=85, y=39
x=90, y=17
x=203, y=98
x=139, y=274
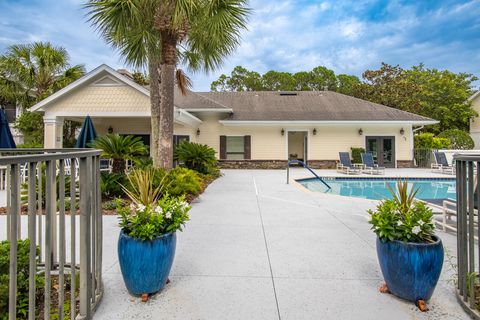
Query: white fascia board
x=476, y=94
x=86, y=78
x=273, y=123
x=226, y=110
x=186, y=118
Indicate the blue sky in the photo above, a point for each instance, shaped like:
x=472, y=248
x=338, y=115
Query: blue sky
x=347, y=36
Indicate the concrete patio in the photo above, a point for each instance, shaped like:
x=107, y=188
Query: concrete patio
x=257, y=248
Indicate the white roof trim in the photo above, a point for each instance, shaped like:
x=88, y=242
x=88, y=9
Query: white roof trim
x=476, y=94
x=327, y=122
x=85, y=79
x=226, y=110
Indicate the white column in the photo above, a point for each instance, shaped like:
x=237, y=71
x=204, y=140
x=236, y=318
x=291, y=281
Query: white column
x=53, y=132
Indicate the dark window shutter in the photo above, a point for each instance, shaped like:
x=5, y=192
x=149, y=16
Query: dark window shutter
x=223, y=147
x=247, y=146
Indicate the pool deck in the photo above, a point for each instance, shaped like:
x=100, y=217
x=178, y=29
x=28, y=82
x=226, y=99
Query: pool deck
x=258, y=248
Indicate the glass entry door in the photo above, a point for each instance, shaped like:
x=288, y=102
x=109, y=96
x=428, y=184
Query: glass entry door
x=383, y=150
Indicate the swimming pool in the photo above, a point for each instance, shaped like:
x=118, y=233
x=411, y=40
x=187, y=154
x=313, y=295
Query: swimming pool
x=375, y=188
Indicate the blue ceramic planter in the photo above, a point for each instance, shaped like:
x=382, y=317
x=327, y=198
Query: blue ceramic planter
x=411, y=270
x=146, y=265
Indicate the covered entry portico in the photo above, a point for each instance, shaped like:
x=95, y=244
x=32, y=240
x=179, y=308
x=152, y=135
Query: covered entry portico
x=115, y=103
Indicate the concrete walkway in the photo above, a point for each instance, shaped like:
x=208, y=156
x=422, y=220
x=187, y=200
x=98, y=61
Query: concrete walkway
x=257, y=248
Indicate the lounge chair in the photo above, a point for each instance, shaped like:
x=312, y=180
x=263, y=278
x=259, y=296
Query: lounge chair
x=369, y=165
x=441, y=164
x=345, y=165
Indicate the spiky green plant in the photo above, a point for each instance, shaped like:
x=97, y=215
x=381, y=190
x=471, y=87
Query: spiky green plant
x=143, y=187
x=402, y=196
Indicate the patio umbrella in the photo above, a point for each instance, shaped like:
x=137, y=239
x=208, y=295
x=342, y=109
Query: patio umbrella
x=6, y=138
x=87, y=134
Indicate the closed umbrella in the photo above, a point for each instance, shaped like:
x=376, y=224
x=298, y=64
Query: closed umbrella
x=87, y=134
x=6, y=138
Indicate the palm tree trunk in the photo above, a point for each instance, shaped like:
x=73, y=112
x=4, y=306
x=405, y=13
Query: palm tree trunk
x=167, y=87
x=154, y=66
x=118, y=165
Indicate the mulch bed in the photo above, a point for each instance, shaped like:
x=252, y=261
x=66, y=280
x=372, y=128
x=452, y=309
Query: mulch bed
x=54, y=300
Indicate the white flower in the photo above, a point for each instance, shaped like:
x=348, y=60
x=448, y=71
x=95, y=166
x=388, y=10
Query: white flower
x=421, y=223
x=158, y=210
x=141, y=207
x=416, y=229
x=399, y=222
x=184, y=204
x=132, y=206
x=168, y=215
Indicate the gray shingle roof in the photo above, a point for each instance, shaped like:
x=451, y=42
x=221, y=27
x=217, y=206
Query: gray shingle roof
x=193, y=100
x=301, y=106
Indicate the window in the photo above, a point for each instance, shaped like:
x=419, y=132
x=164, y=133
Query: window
x=235, y=148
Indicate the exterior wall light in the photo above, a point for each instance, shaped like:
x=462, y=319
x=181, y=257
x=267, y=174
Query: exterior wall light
x=360, y=132
x=110, y=129
x=198, y=131
x=282, y=132
x=314, y=131
x=402, y=131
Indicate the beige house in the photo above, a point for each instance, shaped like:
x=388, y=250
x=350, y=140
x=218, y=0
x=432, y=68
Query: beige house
x=475, y=123
x=247, y=129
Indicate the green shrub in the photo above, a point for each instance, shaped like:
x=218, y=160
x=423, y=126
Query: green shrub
x=183, y=181
x=111, y=184
x=429, y=141
x=459, y=139
x=120, y=148
x=113, y=204
x=24, y=187
x=357, y=154
x=23, y=250
x=195, y=156
x=403, y=218
x=147, y=222
x=29, y=145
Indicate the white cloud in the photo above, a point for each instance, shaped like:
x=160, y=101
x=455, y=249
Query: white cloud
x=347, y=36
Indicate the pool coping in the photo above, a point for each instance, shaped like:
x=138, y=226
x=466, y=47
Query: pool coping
x=330, y=178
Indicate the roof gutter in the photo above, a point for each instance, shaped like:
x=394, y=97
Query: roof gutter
x=417, y=129
x=328, y=122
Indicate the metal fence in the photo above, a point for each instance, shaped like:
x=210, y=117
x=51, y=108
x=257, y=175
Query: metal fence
x=423, y=157
x=468, y=254
x=70, y=245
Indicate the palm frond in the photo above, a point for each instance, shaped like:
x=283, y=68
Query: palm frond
x=184, y=83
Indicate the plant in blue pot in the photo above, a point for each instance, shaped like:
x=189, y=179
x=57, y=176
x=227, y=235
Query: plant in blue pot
x=409, y=253
x=147, y=241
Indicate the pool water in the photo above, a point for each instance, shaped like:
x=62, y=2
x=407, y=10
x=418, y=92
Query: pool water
x=376, y=188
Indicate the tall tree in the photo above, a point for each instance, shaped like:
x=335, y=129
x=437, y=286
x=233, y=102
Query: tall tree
x=278, y=81
x=346, y=84
x=162, y=34
x=240, y=79
x=443, y=95
x=319, y=78
x=30, y=73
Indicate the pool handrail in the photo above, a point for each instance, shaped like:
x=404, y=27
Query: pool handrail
x=290, y=162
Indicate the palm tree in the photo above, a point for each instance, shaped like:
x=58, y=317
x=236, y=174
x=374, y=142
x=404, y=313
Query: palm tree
x=32, y=72
x=120, y=148
x=161, y=34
